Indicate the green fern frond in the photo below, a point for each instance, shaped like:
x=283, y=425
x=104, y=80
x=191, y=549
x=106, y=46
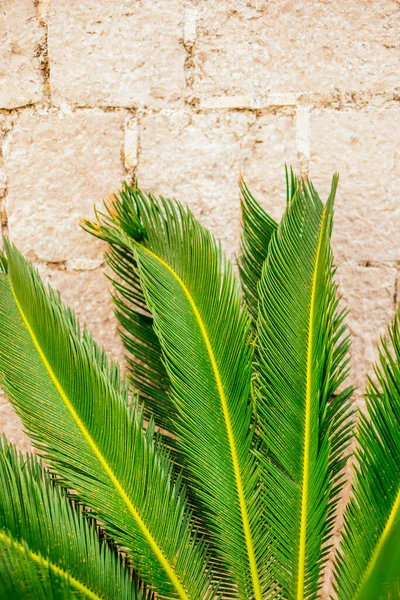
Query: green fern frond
x=80, y=420
x=302, y=358
x=143, y=350
x=203, y=333
x=144, y=353
x=369, y=557
x=141, y=343
x=48, y=547
x=257, y=230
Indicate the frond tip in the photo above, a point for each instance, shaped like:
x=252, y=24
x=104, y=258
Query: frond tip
x=257, y=230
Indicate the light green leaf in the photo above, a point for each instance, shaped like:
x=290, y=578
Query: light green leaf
x=257, y=231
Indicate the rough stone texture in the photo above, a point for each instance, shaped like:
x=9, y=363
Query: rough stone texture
x=119, y=53
x=131, y=144
x=363, y=146
x=256, y=48
x=368, y=293
x=21, y=40
x=271, y=143
x=198, y=159
x=58, y=166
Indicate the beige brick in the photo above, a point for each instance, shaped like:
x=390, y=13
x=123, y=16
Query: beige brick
x=21, y=38
x=116, y=53
x=198, y=160
x=363, y=146
x=369, y=294
x=284, y=46
x=58, y=166
x=131, y=144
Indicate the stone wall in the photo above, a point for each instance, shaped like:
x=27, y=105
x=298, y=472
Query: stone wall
x=185, y=95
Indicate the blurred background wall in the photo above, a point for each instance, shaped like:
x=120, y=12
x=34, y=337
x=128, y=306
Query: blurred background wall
x=185, y=96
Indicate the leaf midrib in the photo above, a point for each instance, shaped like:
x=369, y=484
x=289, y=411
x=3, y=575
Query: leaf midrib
x=307, y=425
x=103, y=462
x=382, y=539
x=228, y=424
x=48, y=564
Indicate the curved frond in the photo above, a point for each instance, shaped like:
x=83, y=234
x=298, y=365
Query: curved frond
x=203, y=332
x=144, y=353
x=369, y=556
x=257, y=230
x=302, y=357
x=140, y=341
x=78, y=416
x=46, y=545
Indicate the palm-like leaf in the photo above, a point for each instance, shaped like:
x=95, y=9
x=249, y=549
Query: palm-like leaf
x=301, y=362
x=136, y=328
x=370, y=550
x=258, y=228
x=257, y=231
x=143, y=350
x=47, y=547
x=78, y=416
x=203, y=334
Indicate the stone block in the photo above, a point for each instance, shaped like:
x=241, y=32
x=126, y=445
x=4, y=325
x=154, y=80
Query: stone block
x=131, y=144
x=307, y=47
x=198, y=159
x=363, y=146
x=58, y=166
x=116, y=53
x=21, y=47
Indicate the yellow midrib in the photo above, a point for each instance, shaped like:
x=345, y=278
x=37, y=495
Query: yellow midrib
x=75, y=583
x=105, y=466
x=228, y=424
x=307, y=428
x=371, y=565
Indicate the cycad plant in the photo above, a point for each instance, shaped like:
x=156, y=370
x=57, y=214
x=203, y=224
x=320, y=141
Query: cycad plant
x=215, y=468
